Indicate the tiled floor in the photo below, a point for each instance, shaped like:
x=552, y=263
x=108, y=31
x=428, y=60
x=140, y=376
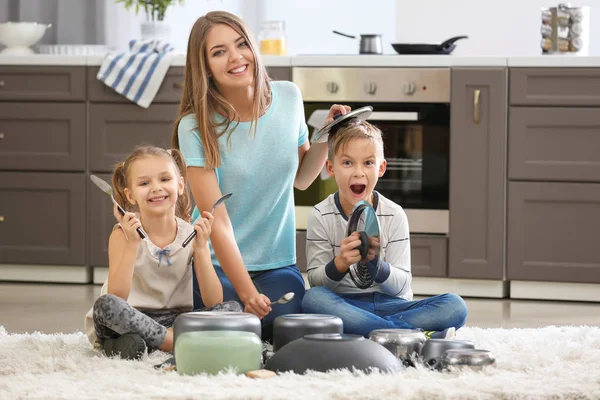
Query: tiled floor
x=50, y=308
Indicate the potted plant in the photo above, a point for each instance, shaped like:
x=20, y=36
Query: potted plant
x=154, y=28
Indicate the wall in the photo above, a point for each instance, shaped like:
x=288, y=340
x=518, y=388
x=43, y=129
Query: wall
x=308, y=32
x=122, y=25
x=511, y=27
x=73, y=21
x=309, y=23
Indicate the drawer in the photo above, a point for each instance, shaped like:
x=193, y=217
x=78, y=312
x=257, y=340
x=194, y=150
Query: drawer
x=42, y=136
x=429, y=255
x=169, y=91
x=554, y=144
x=116, y=129
x=555, y=86
x=553, y=232
x=42, y=218
x=42, y=83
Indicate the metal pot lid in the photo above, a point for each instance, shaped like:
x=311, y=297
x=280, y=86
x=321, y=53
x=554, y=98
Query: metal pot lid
x=322, y=134
x=364, y=221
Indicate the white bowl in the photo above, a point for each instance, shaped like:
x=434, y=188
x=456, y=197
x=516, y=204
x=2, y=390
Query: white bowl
x=18, y=36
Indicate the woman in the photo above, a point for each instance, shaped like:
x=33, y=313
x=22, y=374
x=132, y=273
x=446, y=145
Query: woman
x=242, y=133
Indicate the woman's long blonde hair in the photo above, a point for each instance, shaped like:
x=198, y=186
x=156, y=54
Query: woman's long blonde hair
x=201, y=96
x=120, y=178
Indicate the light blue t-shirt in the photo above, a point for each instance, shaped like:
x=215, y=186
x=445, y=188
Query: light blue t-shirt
x=259, y=171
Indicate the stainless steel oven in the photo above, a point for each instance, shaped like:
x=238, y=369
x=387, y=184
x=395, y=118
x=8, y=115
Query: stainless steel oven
x=412, y=108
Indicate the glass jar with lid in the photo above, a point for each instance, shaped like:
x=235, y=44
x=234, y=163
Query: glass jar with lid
x=272, y=38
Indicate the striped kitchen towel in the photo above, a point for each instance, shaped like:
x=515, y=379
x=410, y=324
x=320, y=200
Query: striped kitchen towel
x=138, y=73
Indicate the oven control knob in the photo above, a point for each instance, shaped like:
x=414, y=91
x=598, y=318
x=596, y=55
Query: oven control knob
x=409, y=88
x=332, y=87
x=371, y=88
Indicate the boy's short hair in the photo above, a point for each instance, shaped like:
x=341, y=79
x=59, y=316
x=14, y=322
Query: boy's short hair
x=353, y=129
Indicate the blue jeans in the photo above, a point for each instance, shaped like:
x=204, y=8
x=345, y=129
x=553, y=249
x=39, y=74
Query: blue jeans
x=273, y=283
x=365, y=312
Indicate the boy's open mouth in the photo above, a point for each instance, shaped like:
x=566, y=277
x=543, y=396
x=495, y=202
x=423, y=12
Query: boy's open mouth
x=358, y=189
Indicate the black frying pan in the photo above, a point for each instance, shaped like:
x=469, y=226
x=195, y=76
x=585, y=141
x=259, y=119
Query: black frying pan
x=445, y=47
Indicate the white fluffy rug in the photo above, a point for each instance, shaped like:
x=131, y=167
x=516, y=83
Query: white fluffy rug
x=551, y=362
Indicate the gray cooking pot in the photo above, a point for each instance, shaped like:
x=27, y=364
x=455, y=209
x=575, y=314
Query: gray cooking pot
x=215, y=321
x=405, y=344
x=434, y=349
x=289, y=327
x=369, y=44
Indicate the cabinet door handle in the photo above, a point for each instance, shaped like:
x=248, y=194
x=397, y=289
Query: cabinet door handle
x=1, y=84
x=1, y=218
x=178, y=85
x=476, y=95
x=1, y=136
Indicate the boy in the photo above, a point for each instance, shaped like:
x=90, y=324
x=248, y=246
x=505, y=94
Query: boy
x=356, y=162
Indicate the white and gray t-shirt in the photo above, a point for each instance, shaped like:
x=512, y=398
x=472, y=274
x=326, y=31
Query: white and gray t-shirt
x=326, y=228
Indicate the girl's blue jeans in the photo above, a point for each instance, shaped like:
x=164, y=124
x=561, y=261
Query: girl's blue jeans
x=273, y=283
x=365, y=312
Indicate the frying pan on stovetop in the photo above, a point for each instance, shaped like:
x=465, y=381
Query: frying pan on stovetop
x=446, y=47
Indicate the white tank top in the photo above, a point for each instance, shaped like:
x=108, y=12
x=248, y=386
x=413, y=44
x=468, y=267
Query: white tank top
x=162, y=278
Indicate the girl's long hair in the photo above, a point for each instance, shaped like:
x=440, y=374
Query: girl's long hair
x=200, y=95
x=120, y=178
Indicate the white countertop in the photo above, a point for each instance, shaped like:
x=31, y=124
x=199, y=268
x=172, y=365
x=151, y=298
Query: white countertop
x=346, y=61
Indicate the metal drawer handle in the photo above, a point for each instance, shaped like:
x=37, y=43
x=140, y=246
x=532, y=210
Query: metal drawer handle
x=1, y=218
x=1, y=84
x=1, y=136
x=178, y=85
x=476, y=95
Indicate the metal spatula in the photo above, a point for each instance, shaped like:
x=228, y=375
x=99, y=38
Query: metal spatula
x=193, y=234
x=106, y=188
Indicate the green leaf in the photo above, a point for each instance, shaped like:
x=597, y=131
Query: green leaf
x=154, y=9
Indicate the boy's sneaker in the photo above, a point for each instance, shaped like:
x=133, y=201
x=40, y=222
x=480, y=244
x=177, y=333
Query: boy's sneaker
x=449, y=333
x=129, y=346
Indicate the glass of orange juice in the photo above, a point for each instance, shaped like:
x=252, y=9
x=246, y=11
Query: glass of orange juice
x=272, y=38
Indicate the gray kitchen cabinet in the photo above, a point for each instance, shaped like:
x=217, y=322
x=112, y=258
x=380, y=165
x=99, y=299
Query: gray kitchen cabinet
x=42, y=218
x=301, y=250
x=168, y=92
x=42, y=136
x=100, y=222
x=280, y=73
x=42, y=83
x=116, y=129
x=429, y=255
x=477, y=173
x=555, y=86
x=553, y=232
x=554, y=144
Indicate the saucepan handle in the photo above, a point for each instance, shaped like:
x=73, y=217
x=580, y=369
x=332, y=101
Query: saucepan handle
x=449, y=42
x=344, y=34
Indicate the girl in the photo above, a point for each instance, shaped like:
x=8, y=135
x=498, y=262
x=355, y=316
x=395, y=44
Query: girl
x=242, y=133
x=150, y=281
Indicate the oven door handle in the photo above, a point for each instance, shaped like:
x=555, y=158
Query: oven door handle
x=393, y=116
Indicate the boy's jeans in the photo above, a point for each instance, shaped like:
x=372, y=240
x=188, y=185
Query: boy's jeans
x=365, y=312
